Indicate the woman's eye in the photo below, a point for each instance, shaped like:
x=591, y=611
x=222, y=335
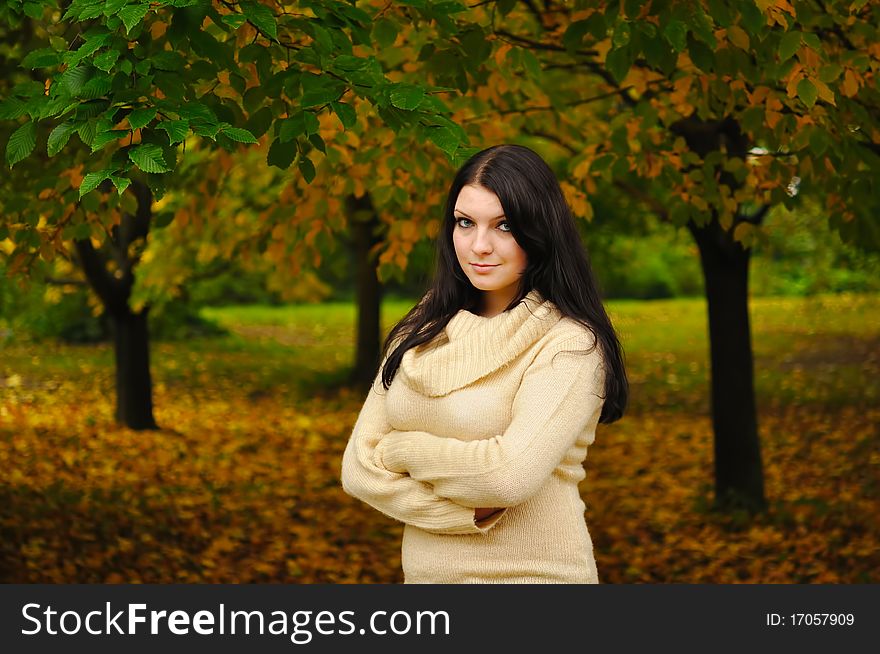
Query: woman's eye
x=462, y=220
x=505, y=225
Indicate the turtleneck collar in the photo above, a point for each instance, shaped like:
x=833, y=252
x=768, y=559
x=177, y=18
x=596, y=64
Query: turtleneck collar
x=477, y=346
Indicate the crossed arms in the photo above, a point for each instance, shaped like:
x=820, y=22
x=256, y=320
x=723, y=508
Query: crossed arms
x=435, y=483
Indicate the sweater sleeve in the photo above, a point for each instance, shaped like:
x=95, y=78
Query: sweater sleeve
x=559, y=398
x=398, y=496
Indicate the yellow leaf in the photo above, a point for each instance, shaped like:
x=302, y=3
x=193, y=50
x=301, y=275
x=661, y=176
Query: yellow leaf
x=580, y=171
x=825, y=92
x=738, y=37
x=744, y=233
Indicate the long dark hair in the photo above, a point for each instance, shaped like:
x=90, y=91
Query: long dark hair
x=557, y=264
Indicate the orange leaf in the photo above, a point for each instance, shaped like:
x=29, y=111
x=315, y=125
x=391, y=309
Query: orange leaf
x=850, y=84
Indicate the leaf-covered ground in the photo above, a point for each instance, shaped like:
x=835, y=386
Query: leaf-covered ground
x=242, y=483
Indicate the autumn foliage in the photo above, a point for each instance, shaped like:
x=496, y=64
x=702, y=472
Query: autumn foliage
x=243, y=484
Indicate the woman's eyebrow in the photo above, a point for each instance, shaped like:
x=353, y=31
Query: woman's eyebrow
x=467, y=216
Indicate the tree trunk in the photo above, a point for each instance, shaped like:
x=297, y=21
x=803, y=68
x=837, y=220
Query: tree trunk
x=739, y=478
x=364, y=223
x=134, y=387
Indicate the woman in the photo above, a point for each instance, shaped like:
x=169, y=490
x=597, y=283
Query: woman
x=477, y=425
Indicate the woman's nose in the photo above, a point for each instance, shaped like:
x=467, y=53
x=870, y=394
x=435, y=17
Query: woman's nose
x=482, y=242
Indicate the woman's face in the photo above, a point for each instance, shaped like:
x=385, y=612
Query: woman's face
x=481, y=236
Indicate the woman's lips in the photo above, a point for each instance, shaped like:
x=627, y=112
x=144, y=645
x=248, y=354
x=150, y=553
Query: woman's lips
x=484, y=267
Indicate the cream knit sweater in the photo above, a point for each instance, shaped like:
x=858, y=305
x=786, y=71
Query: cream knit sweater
x=495, y=412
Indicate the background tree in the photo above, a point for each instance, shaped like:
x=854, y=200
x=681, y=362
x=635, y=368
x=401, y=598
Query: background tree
x=709, y=113
x=136, y=82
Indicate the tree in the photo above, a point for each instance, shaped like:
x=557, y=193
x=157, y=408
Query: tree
x=708, y=112
x=137, y=82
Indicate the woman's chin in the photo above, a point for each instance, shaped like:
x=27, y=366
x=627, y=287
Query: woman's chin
x=482, y=285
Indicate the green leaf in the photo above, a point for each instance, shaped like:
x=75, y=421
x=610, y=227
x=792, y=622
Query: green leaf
x=385, y=32
x=474, y=44
x=163, y=219
x=34, y=10
x=92, y=180
x=830, y=72
x=676, y=33
x=622, y=35
x=21, y=143
x=701, y=55
x=618, y=63
x=59, y=137
x=259, y=122
x=131, y=15
x=819, y=141
x=144, y=65
x=43, y=58
x=753, y=20
x=323, y=40
x=318, y=90
x=407, y=96
x=260, y=17
x=506, y=6
x=112, y=7
x=86, y=131
x=807, y=92
x=597, y=26
x=148, y=157
x=307, y=168
x=239, y=134
x=81, y=232
x=12, y=108
x=533, y=66
x=97, y=87
x=574, y=35
x=28, y=89
x=789, y=44
x=813, y=41
x=121, y=183
x=166, y=60
x=318, y=142
x=141, y=117
x=289, y=128
x=176, y=129
x=310, y=120
x=57, y=106
x=88, y=48
x=106, y=60
x=205, y=129
x=346, y=113
x=253, y=98
x=444, y=138
x=719, y=10
x=281, y=154
x=234, y=20
x=197, y=111
x=74, y=79
x=103, y=138
x=350, y=63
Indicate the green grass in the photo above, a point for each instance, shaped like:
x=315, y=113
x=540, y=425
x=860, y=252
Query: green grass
x=806, y=350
